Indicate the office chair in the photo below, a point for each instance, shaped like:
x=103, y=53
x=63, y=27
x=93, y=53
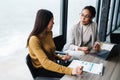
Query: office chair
x=34, y=71
x=115, y=38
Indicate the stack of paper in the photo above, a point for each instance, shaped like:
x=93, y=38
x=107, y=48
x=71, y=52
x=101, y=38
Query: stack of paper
x=88, y=66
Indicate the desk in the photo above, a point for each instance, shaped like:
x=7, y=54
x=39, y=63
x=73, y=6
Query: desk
x=111, y=69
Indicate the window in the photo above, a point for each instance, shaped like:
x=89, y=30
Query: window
x=17, y=20
x=74, y=9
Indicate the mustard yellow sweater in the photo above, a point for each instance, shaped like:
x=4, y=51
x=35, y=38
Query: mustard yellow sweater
x=42, y=53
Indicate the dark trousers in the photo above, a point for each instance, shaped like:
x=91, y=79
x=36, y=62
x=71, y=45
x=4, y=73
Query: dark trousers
x=46, y=73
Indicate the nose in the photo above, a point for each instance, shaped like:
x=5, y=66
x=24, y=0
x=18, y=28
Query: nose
x=83, y=18
x=53, y=22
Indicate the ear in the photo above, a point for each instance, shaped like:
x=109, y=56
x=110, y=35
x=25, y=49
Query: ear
x=91, y=19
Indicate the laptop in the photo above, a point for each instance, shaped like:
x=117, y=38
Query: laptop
x=107, y=51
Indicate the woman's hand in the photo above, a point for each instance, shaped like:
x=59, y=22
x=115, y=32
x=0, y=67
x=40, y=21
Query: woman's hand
x=66, y=57
x=85, y=49
x=96, y=46
x=77, y=70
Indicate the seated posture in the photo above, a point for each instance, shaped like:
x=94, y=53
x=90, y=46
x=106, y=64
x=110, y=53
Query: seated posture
x=84, y=35
x=42, y=48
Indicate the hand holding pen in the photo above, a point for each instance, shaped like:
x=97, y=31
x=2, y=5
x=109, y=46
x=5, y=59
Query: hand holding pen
x=77, y=71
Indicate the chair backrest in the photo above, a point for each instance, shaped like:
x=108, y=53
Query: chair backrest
x=32, y=69
x=59, y=42
x=115, y=38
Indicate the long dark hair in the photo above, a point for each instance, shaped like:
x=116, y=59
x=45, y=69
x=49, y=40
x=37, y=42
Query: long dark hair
x=42, y=19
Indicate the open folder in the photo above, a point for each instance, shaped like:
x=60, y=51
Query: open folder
x=88, y=66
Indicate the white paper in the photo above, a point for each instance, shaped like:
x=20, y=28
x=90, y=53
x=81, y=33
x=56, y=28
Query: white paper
x=88, y=66
x=107, y=46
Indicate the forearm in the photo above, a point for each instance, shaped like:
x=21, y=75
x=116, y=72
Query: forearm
x=74, y=47
x=56, y=67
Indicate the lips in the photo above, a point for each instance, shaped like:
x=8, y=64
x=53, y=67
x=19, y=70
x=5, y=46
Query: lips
x=83, y=21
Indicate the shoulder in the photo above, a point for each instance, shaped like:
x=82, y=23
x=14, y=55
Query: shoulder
x=76, y=26
x=94, y=24
x=34, y=39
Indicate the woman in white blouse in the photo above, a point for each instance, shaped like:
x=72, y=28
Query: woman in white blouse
x=84, y=35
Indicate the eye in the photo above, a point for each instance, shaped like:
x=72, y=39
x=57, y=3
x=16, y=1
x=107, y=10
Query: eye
x=85, y=16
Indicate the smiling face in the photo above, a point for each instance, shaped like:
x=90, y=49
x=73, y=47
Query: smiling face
x=85, y=17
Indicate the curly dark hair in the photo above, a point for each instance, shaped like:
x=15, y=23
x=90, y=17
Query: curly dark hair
x=91, y=9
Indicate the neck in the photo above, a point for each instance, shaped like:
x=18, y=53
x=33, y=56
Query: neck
x=43, y=34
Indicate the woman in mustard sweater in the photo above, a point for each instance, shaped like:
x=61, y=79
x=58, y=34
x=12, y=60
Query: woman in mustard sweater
x=42, y=48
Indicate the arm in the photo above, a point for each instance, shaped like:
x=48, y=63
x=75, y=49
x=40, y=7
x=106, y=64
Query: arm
x=34, y=44
x=97, y=44
x=71, y=39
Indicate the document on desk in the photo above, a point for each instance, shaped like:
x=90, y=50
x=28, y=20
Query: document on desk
x=88, y=66
x=106, y=46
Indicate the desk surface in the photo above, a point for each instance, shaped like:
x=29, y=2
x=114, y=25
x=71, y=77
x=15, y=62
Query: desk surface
x=111, y=70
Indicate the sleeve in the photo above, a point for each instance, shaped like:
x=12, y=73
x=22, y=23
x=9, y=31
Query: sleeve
x=74, y=47
x=57, y=57
x=34, y=44
x=71, y=41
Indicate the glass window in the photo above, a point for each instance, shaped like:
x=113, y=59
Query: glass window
x=17, y=20
x=74, y=9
